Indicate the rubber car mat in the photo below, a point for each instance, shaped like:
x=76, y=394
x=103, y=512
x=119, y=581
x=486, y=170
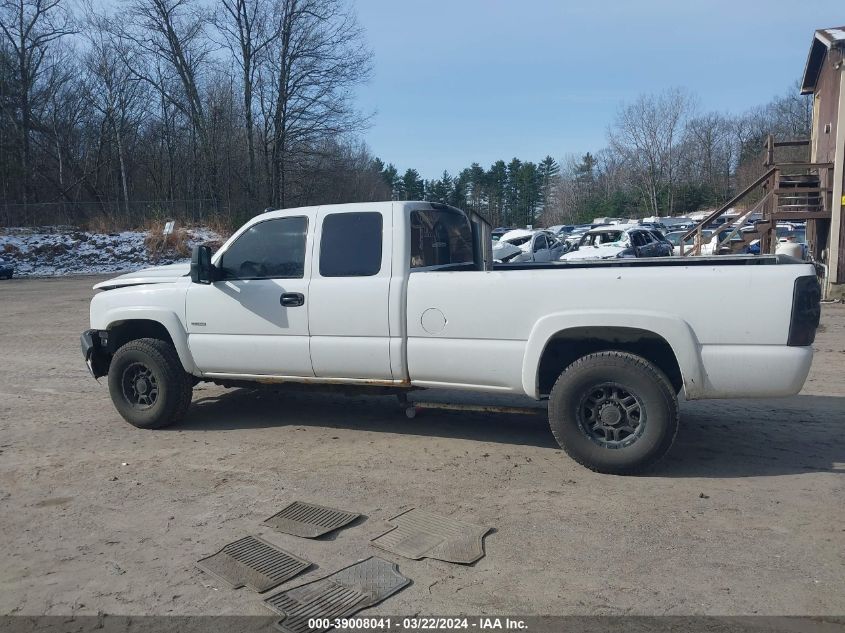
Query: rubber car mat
x=309, y=520
x=422, y=534
x=253, y=562
x=339, y=595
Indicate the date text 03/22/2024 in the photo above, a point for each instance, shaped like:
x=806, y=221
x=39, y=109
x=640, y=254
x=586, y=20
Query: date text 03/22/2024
x=420, y=624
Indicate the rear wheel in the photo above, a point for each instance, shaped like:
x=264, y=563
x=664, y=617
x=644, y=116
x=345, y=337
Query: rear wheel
x=147, y=384
x=614, y=412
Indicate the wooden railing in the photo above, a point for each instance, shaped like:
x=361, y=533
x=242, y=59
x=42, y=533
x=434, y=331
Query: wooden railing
x=784, y=197
x=699, y=228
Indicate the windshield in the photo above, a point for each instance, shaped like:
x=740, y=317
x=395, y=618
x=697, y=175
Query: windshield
x=605, y=237
x=519, y=241
x=675, y=238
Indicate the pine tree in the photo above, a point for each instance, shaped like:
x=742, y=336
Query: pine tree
x=475, y=182
x=528, y=196
x=458, y=196
x=585, y=170
x=549, y=171
x=413, y=187
x=390, y=175
x=511, y=214
x=496, y=185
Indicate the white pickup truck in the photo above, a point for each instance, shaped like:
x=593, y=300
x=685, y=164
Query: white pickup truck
x=404, y=295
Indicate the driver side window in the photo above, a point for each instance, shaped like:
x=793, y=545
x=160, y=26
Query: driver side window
x=637, y=239
x=273, y=249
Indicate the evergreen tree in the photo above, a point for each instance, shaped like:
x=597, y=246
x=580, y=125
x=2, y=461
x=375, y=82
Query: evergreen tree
x=585, y=170
x=511, y=213
x=440, y=190
x=496, y=184
x=528, y=195
x=413, y=187
x=458, y=196
x=475, y=183
x=390, y=176
x=549, y=170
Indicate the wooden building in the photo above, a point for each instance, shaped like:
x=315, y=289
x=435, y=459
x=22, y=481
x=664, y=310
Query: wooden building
x=824, y=78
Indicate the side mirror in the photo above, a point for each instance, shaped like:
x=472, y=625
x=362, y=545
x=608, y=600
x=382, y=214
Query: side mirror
x=202, y=272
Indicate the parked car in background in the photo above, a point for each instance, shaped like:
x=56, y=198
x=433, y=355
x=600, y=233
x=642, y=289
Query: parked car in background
x=523, y=245
x=654, y=226
x=666, y=247
x=561, y=230
x=497, y=233
x=572, y=239
x=710, y=242
x=674, y=238
x=670, y=223
x=6, y=269
x=791, y=240
x=618, y=241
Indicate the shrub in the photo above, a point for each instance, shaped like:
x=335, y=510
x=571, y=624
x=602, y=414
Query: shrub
x=158, y=244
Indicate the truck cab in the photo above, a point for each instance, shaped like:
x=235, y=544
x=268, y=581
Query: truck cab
x=318, y=292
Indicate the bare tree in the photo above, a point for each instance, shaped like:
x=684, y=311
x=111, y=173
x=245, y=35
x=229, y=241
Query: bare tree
x=310, y=67
x=247, y=28
x=112, y=89
x=647, y=133
x=29, y=27
x=709, y=154
x=170, y=37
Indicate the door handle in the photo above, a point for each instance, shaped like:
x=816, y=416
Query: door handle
x=292, y=299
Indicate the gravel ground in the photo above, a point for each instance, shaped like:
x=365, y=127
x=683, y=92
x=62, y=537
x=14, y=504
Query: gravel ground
x=744, y=517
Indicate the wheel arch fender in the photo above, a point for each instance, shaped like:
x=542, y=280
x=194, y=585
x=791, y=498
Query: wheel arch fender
x=674, y=330
x=167, y=319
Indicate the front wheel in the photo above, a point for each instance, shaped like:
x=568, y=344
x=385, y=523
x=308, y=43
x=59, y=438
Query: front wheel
x=614, y=412
x=147, y=384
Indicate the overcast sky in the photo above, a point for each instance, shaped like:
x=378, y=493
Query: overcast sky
x=477, y=80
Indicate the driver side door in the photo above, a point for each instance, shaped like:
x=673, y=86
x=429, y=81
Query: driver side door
x=254, y=321
x=640, y=243
x=541, y=249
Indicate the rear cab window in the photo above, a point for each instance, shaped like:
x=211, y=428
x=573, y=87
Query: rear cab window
x=440, y=237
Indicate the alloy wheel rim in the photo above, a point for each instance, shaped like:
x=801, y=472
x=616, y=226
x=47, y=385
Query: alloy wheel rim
x=140, y=386
x=611, y=415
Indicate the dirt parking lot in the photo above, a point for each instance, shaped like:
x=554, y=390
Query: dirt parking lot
x=744, y=517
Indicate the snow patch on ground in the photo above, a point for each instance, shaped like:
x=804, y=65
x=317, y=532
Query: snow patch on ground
x=62, y=250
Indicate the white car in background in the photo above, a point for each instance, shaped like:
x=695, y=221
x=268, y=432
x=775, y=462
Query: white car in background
x=524, y=245
x=616, y=241
x=710, y=242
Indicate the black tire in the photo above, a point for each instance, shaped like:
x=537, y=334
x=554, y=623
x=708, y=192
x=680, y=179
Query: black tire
x=614, y=412
x=148, y=385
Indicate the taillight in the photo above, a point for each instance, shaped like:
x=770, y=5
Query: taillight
x=806, y=311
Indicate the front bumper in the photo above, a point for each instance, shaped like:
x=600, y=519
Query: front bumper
x=94, y=352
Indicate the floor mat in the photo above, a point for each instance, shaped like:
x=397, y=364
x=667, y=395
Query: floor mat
x=421, y=534
x=345, y=592
x=309, y=520
x=253, y=562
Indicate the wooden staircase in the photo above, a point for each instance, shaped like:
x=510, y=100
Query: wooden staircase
x=786, y=191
